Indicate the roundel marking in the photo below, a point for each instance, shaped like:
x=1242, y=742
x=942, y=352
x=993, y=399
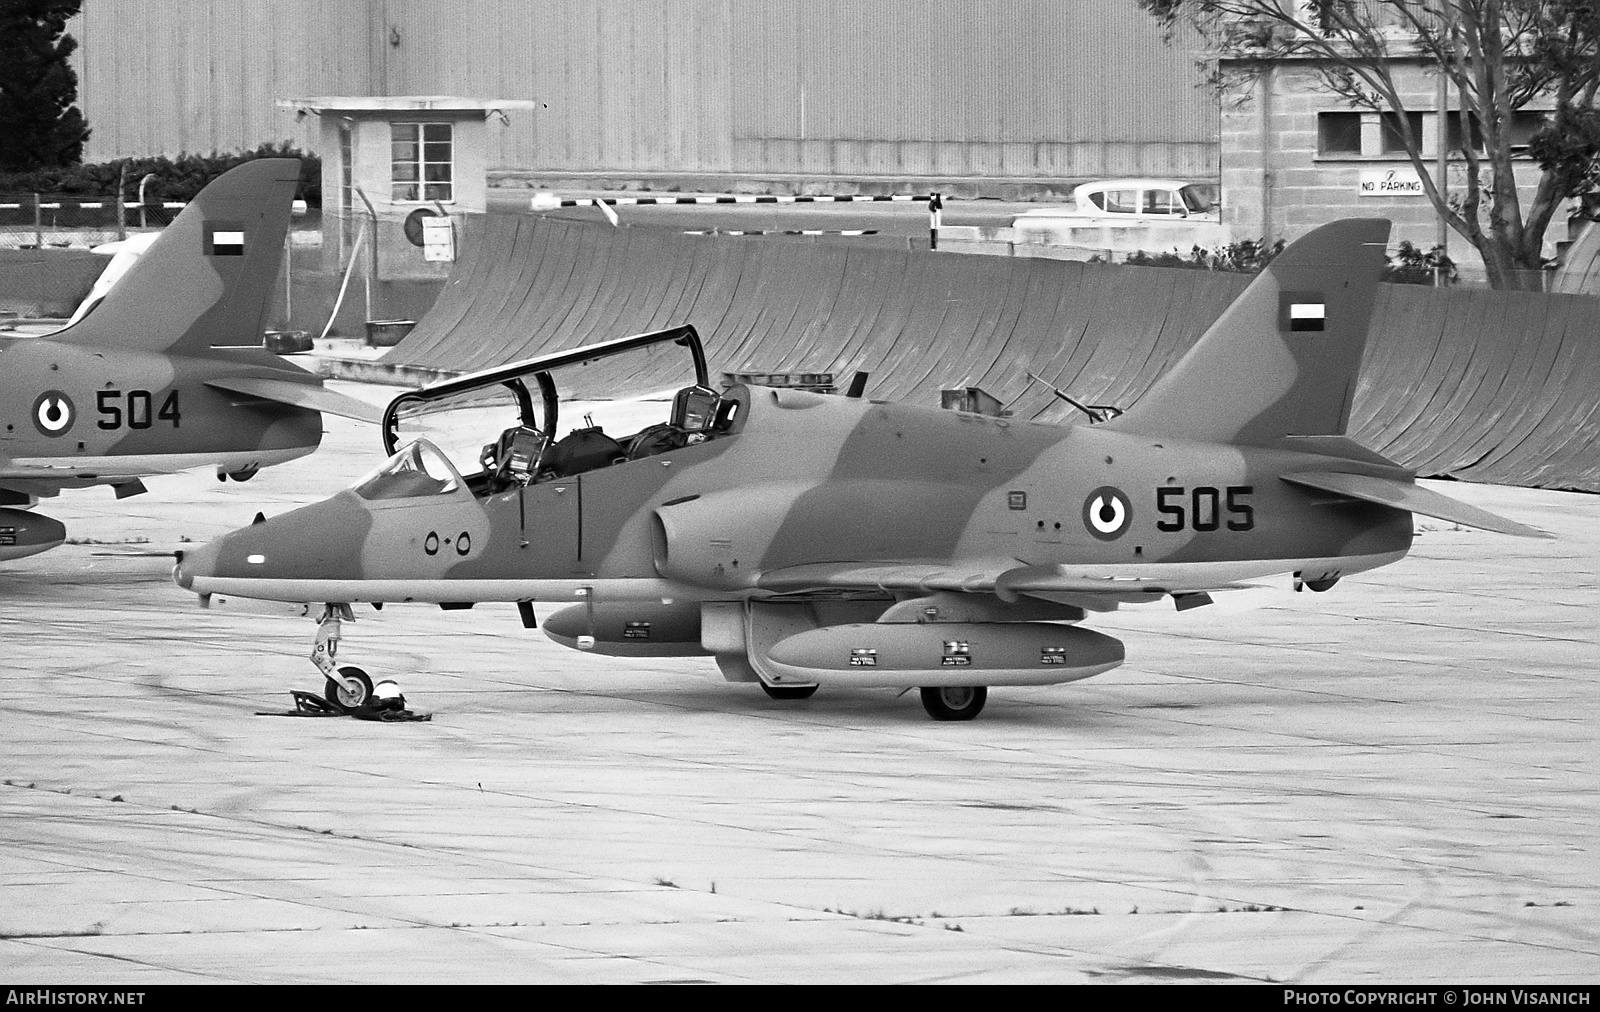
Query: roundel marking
x=463, y=543
x=1107, y=513
x=53, y=413
x=430, y=544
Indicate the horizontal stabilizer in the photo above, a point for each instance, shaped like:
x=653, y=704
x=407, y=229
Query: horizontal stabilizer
x=313, y=396
x=1405, y=495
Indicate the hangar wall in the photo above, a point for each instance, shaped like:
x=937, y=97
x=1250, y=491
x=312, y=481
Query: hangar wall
x=1476, y=384
x=1022, y=89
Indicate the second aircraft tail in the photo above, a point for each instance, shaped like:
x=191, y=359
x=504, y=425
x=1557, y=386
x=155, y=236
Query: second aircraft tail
x=206, y=280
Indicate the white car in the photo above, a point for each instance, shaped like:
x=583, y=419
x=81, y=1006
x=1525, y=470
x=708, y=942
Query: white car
x=1112, y=218
x=1146, y=201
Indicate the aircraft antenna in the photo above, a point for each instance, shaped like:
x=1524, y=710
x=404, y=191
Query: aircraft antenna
x=1096, y=412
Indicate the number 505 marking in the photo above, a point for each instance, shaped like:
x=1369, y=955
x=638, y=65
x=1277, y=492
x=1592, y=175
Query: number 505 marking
x=1205, y=508
x=134, y=409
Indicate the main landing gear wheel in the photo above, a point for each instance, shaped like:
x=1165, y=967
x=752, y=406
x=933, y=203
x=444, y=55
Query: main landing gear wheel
x=337, y=694
x=954, y=702
x=788, y=691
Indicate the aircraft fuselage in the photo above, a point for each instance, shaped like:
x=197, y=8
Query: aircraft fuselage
x=807, y=480
x=84, y=413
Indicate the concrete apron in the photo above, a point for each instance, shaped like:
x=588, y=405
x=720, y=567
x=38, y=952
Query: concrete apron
x=1393, y=781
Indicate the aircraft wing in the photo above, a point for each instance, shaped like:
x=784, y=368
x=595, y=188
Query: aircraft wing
x=881, y=576
x=1406, y=495
x=1007, y=580
x=314, y=396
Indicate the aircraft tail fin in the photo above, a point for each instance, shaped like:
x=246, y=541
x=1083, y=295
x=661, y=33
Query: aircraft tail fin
x=1283, y=359
x=205, y=282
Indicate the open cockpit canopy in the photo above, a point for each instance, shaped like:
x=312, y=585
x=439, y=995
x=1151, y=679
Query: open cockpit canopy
x=533, y=449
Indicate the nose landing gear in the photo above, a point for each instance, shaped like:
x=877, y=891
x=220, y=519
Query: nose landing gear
x=347, y=686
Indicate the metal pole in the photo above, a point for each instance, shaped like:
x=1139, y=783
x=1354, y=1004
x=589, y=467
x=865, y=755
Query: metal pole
x=344, y=285
x=288, y=279
x=147, y=177
x=122, y=206
x=372, y=265
x=1442, y=165
x=1267, y=142
x=935, y=207
x=38, y=223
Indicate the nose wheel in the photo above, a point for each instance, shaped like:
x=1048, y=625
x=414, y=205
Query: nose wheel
x=340, y=693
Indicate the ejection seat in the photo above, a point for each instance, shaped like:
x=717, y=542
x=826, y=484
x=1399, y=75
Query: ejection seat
x=694, y=410
x=513, y=459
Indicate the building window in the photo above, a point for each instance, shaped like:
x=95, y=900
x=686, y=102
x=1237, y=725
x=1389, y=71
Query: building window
x=422, y=162
x=1523, y=126
x=1339, y=133
x=1394, y=141
x=1457, y=137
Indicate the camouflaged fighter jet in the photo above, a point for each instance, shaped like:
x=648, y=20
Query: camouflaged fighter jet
x=167, y=372
x=807, y=540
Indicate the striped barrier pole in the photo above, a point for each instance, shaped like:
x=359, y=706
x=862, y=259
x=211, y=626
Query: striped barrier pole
x=935, y=202
x=781, y=231
x=40, y=205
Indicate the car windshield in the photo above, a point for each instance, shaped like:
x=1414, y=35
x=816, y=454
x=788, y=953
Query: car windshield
x=416, y=470
x=1200, y=198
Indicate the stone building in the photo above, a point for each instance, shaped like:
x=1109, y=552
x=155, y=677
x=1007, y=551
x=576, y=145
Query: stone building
x=1295, y=155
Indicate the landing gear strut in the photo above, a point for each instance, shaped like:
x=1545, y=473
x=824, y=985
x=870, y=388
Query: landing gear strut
x=346, y=686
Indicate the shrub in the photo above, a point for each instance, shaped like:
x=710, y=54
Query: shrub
x=1247, y=256
x=1411, y=266
x=175, y=178
x=1408, y=266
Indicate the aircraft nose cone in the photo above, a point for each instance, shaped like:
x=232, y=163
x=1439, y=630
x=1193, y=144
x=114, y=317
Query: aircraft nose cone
x=193, y=562
x=322, y=541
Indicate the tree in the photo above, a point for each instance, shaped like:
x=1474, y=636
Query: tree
x=1496, y=55
x=39, y=126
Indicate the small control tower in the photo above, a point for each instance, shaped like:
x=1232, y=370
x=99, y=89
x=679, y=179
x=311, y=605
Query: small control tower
x=400, y=175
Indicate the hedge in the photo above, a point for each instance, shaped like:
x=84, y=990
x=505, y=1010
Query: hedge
x=175, y=178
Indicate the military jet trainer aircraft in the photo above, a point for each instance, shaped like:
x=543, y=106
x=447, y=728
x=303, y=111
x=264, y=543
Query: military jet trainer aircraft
x=168, y=371
x=807, y=540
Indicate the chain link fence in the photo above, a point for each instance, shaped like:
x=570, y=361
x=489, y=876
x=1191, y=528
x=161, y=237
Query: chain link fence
x=75, y=221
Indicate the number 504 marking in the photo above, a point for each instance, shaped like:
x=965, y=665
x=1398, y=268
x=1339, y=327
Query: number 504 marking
x=1205, y=508
x=133, y=409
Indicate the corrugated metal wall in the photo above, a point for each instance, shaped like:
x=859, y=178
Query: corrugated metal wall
x=168, y=76
x=1012, y=88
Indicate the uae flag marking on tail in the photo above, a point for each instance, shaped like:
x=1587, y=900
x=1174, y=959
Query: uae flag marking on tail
x=1302, y=315
x=225, y=242
x=1302, y=311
